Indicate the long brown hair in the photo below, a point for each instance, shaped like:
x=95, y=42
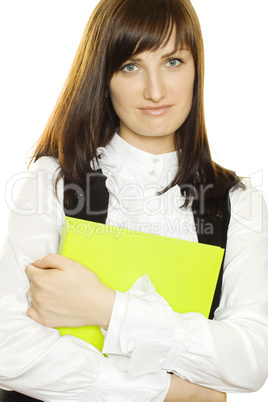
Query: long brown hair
x=84, y=118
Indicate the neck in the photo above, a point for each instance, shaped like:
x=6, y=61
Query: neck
x=153, y=145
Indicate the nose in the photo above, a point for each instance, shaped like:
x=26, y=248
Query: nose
x=154, y=87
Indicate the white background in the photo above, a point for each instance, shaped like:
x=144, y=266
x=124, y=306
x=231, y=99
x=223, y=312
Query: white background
x=38, y=40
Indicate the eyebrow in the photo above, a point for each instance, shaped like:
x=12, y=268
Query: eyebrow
x=173, y=53
x=165, y=56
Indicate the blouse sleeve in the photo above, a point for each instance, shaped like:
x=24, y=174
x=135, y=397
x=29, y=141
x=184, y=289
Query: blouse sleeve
x=228, y=353
x=34, y=359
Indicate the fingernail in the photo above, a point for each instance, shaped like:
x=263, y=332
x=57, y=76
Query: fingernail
x=36, y=261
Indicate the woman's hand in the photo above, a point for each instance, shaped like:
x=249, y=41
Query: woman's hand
x=67, y=294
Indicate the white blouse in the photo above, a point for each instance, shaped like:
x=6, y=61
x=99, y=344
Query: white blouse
x=145, y=338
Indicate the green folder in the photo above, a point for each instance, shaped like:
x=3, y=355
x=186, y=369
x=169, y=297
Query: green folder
x=185, y=273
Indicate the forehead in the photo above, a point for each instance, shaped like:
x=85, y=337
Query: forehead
x=169, y=47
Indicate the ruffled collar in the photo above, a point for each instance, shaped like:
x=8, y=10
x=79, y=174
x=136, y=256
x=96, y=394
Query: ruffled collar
x=119, y=149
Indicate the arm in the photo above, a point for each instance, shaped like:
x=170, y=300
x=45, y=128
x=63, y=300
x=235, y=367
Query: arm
x=35, y=359
x=59, y=299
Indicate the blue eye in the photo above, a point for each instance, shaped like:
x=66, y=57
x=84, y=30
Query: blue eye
x=129, y=68
x=174, y=62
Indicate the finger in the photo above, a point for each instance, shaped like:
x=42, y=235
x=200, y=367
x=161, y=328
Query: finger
x=49, y=261
x=52, y=261
x=31, y=271
x=32, y=313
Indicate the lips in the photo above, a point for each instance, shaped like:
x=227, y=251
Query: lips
x=155, y=110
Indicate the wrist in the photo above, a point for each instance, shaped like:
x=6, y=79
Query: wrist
x=107, y=303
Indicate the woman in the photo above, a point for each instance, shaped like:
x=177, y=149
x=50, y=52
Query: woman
x=132, y=106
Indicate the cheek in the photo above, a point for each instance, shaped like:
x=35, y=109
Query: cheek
x=189, y=96
x=123, y=99
x=119, y=107
x=118, y=97
x=185, y=92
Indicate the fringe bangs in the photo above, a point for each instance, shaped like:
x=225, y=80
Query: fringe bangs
x=140, y=26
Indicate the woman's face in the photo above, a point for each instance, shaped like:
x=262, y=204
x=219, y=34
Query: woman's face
x=152, y=96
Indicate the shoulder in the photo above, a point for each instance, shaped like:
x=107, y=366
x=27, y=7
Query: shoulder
x=47, y=164
x=45, y=169
x=36, y=184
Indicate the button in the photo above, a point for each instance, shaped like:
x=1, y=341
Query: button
x=151, y=173
x=156, y=161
